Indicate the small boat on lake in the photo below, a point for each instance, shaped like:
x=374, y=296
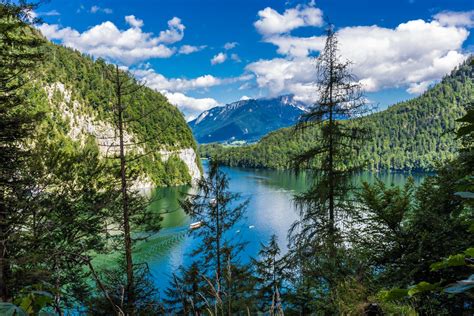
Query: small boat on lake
x=195, y=225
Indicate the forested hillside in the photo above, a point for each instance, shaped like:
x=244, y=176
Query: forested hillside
x=76, y=96
x=411, y=135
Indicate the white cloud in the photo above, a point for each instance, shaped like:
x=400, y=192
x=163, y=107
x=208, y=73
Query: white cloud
x=282, y=75
x=95, y=9
x=191, y=107
x=413, y=55
x=244, y=98
x=230, y=45
x=189, y=49
x=159, y=82
x=296, y=46
x=125, y=46
x=452, y=18
x=174, y=33
x=133, y=21
x=271, y=22
x=174, y=89
x=219, y=59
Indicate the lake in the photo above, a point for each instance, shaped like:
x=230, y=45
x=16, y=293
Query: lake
x=270, y=211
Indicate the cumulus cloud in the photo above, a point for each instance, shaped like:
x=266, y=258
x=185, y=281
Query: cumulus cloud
x=133, y=21
x=271, y=22
x=191, y=107
x=452, y=18
x=297, y=46
x=281, y=75
x=124, y=46
x=174, y=89
x=412, y=55
x=219, y=59
x=174, y=33
x=159, y=82
x=189, y=49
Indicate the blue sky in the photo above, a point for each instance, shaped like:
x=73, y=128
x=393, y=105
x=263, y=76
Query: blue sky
x=203, y=53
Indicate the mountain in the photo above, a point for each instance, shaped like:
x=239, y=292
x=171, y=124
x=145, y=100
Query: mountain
x=246, y=120
x=410, y=135
x=72, y=90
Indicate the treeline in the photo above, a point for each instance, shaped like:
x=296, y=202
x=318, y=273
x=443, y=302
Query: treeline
x=411, y=135
x=379, y=250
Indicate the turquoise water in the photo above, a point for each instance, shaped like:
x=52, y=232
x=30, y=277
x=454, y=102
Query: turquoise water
x=270, y=211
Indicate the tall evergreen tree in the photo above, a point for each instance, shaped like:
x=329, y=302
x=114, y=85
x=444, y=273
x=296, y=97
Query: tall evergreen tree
x=326, y=207
x=127, y=151
x=187, y=291
x=270, y=272
x=19, y=54
x=218, y=252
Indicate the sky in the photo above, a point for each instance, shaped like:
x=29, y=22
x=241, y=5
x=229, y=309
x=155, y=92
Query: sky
x=206, y=53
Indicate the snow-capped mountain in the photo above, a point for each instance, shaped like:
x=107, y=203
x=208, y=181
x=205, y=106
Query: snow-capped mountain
x=246, y=120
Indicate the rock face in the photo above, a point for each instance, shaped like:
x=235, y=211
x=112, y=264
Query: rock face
x=83, y=123
x=189, y=157
x=246, y=120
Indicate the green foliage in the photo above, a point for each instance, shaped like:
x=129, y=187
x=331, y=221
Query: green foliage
x=157, y=124
x=411, y=135
x=393, y=294
x=270, y=271
x=408, y=237
x=33, y=301
x=20, y=51
x=422, y=287
x=454, y=260
x=224, y=284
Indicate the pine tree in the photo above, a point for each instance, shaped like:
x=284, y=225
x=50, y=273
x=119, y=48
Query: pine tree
x=186, y=293
x=134, y=208
x=19, y=54
x=270, y=272
x=326, y=207
x=218, y=252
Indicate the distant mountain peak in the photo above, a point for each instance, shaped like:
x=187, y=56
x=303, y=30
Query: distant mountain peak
x=247, y=120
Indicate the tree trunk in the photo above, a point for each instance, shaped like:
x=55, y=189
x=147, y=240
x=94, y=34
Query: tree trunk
x=4, y=267
x=126, y=220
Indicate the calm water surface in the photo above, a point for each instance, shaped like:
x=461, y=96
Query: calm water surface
x=270, y=211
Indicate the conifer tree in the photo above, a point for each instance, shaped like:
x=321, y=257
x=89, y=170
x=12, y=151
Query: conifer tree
x=270, y=273
x=317, y=237
x=19, y=54
x=185, y=295
x=128, y=152
x=219, y=250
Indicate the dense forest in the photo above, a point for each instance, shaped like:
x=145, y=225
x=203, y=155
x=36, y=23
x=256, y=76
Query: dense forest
x=375, y=249
x=77, y=85
x=411, y=135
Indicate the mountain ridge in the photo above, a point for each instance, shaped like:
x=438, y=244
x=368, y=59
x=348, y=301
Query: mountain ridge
x=410, y=135
x=246, y=120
